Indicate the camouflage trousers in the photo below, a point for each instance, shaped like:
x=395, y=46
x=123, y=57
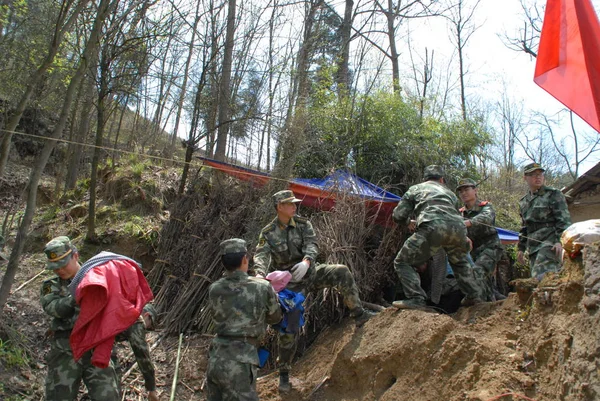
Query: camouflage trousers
x=324, y=276
x=486, y=258
x=65, y=375
x=229, y=380
x=543, y=261
x=426, y=241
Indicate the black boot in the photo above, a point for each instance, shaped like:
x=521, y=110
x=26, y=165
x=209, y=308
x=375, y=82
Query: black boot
x=284, y=382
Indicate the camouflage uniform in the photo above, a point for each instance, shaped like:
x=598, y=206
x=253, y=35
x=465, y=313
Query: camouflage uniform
x=439, y=224
x=487, y=248
x=136, y=336
x=280, y=247
x=241, y=307
x=64, y=373
x=545, y=216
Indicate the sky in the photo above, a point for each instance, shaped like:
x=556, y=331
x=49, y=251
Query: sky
x=493, y=67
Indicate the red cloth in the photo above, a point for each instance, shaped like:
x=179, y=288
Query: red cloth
x=568, y=61
x=111, y=297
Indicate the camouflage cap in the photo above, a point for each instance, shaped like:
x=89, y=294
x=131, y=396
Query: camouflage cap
x=233, y=245
x=531, y=167
x=433, y=171
x=285, y=197
x=59, y=252
x=466, y=182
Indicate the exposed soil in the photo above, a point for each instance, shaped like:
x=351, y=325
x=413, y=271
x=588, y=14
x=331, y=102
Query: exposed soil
x=545, y=351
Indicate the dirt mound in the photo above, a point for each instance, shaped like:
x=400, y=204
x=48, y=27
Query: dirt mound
x=545, y=348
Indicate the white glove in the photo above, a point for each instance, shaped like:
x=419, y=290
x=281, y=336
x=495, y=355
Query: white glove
x=299, y=271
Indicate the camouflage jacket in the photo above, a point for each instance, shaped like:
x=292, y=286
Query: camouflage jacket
x=241, y=308
x=57, y=302
x=483, y=219
x=280, y=247
x=544, y=216
x=136, y=335
x=428, y=201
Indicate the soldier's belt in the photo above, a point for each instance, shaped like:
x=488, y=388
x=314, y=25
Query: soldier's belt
x=250, y=340
x=536, y=226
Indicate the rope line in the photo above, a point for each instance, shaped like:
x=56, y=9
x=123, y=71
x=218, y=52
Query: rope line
x=109, y=149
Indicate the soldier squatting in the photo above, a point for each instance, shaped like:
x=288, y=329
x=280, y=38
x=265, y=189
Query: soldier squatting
x=243, y=305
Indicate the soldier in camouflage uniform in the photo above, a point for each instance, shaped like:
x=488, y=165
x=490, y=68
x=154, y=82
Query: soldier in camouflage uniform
x=136, y=336
x=545, y=216
x=64, y=373
x=289, y=243
x=480, y=219
x=241, y=306
x=438, y=224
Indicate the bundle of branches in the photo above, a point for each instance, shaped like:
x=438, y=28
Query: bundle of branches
x=188, y=256
x=188, y=260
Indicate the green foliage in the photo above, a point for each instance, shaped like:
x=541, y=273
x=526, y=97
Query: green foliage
x=137, y=170
x=50, y=213
x=143, y=229
x=12, y=355
x=383, y=138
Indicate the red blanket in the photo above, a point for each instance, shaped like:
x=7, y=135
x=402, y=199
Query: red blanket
x=111, y=297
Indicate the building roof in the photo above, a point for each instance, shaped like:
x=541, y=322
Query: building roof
x=586, y=181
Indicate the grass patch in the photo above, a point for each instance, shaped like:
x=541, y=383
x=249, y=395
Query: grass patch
x=12, y=355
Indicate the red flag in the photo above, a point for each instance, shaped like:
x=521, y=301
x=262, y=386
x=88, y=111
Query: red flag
x=568, y=61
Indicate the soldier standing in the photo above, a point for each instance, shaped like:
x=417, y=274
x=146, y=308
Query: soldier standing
x=64, y=373
x=289, y=243
x=438, y=225
x=241, y=306
x=544, y=215
x=480, y=219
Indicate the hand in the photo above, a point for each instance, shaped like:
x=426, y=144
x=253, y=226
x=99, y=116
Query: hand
x=412, y=226
x=299, y=270
x=468, y=223
x=470, y=244
x=521, y=258
x=152, y=396
x=557, y=248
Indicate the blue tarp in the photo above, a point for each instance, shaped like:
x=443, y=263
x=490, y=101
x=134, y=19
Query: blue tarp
x=349, y=183
x=507, y=235
x=344, y=181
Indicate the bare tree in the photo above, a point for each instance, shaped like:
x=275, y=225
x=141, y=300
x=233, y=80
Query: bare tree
x=574, y=148
x=513, y=125
x=104, y=9
x=69, y=12
x=527, y=38
x=461, y=18
x=224, y=87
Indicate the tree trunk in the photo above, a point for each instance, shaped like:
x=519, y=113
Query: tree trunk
x=293, y=135
x=186, y=74
x=224, y=87
x=391, y=16
x=343, y=74
x=76, y=151
x=100, y=124
x=13, y=263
